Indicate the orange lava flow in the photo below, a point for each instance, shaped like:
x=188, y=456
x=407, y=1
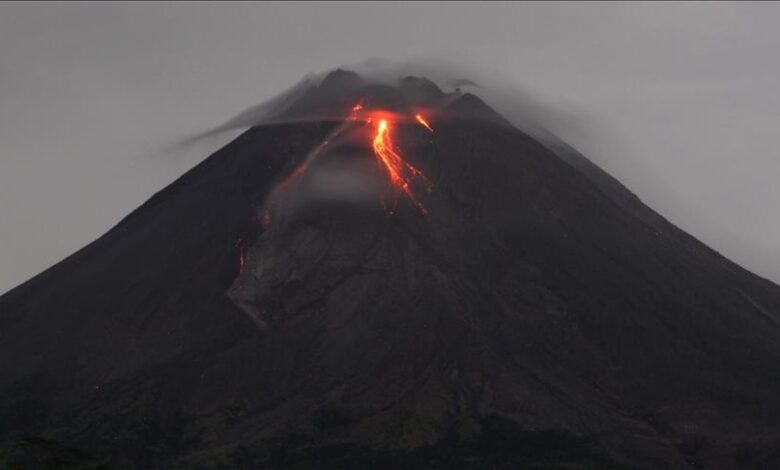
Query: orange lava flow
x=400, y=172
x=422, y=121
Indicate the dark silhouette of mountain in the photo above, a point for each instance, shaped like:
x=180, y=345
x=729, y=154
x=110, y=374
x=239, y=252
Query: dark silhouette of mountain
x=256, y=315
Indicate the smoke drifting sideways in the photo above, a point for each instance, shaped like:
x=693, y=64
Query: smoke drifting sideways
x=519, y=106
x=401, y=87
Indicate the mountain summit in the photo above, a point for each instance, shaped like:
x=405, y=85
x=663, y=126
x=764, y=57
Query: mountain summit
x=390, y=275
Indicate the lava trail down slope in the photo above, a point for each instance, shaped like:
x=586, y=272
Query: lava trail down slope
x=401, y=279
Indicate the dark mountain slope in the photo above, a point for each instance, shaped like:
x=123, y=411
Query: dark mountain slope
x=529, y=318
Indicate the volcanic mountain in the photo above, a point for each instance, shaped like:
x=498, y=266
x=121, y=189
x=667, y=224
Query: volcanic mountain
x=391, y=276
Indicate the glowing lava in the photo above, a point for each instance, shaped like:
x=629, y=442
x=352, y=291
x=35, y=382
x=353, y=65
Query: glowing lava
x=400, y=172
x=402, y=175
x=423, y=122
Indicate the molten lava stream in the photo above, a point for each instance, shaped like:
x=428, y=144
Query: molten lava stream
x=423, y=122
x=400, y=172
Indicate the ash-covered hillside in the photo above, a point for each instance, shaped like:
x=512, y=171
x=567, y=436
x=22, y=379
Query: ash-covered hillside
x=391, y=276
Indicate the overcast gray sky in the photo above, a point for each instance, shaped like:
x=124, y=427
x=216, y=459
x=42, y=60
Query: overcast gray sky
x=679, y=101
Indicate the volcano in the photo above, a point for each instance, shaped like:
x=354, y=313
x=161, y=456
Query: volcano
x=391, y=276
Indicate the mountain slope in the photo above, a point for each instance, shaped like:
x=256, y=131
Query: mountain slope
x=528, y=317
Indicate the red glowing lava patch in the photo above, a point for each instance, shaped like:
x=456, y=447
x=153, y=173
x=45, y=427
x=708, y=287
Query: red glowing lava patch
x=423, y=122
x=403, y=177
x=400, y=172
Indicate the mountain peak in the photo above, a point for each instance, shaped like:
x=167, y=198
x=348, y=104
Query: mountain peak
x=392, y=275
x=340, y=79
